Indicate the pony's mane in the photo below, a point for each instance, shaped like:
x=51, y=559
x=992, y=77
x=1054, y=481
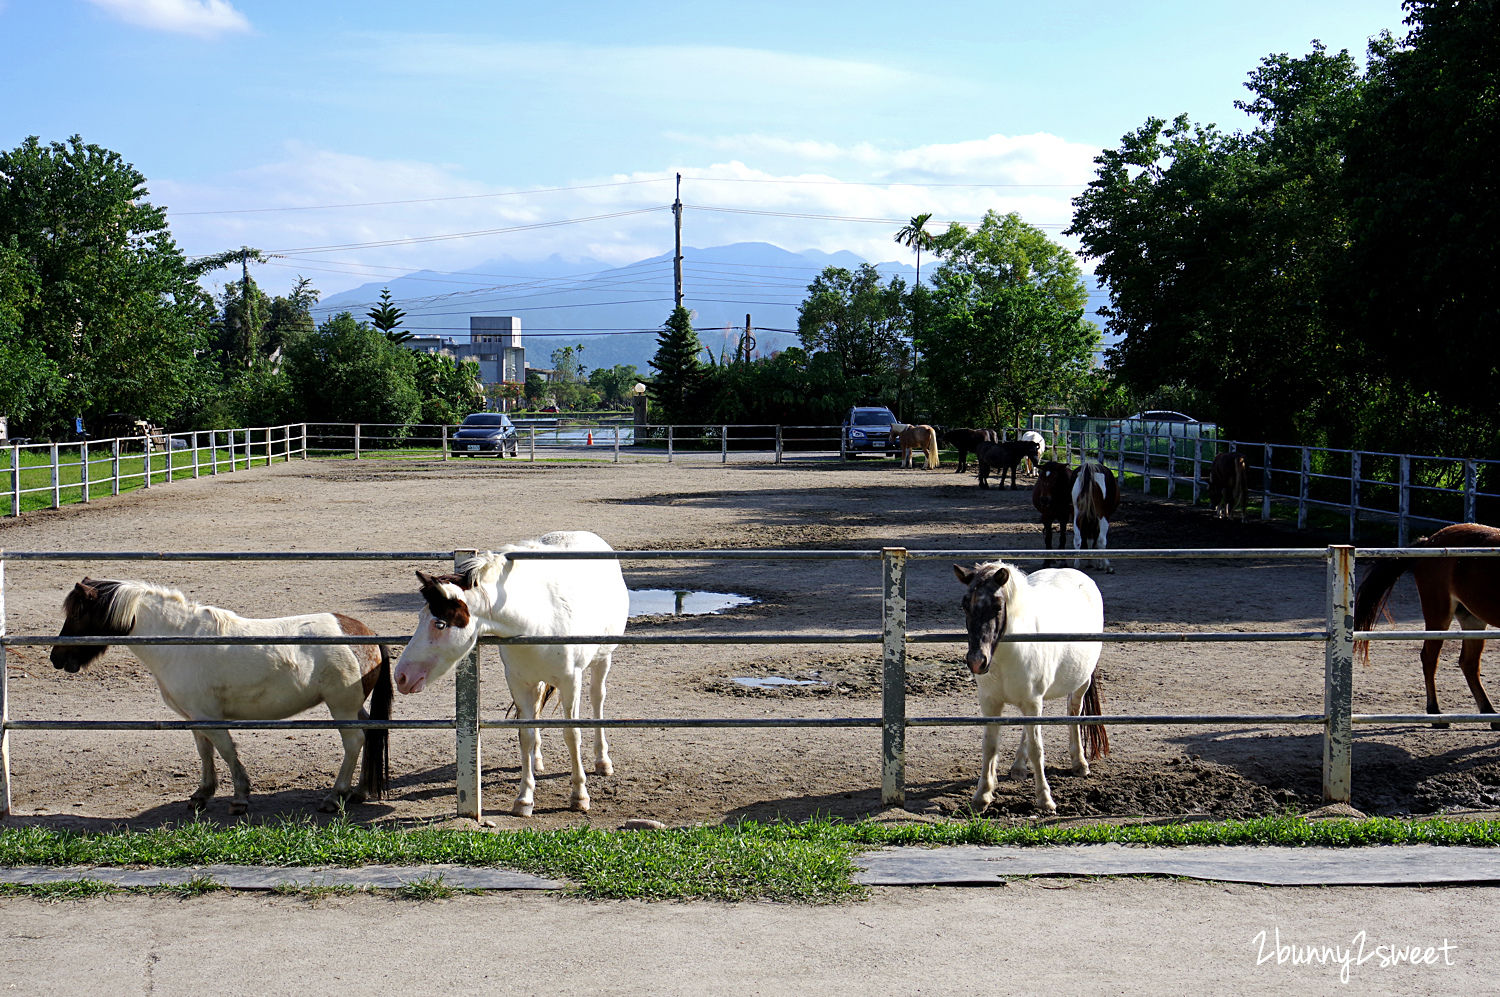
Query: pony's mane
x=1013, y=589
x=119, y=601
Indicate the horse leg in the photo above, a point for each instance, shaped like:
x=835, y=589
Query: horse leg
x=527, y=698
x=597, y=676
x=208, y=780
x=1103, y=544
x=539, y=696
x=1468, y=660
x=570, y=693
x=1032, y=742
x=1075, y=741
x=240, y=801
x=989, y=758
x=1437, y=614
x=354, y=742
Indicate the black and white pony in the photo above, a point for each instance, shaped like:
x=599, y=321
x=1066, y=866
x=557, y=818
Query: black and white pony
x=241, y=681
x=1002, y=601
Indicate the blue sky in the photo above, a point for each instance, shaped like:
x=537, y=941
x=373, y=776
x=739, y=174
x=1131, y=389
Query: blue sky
x=291, y=126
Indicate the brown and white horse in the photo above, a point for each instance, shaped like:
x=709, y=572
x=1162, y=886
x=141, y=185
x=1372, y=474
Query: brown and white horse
x=1228, y=485
x=241, y=681
x=1095, y=499
x=1000, y=600
x=913, y=438
x=1468, y=588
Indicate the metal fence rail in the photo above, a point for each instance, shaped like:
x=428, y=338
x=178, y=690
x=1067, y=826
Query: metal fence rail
x=1338, y=637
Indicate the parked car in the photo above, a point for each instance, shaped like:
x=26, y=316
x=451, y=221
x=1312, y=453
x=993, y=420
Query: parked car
x=486, y=433
x=1157, y=422
x=867, y=429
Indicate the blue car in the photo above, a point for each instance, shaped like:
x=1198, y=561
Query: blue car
x=486, y=433
x=867, y=429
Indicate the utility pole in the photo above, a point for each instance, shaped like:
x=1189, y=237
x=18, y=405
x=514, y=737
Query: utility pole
x=245, y=300
x=677, y=260
x=749, y=341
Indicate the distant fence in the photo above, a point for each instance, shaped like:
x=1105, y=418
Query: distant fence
x=1361, y=486
x=1402, y=490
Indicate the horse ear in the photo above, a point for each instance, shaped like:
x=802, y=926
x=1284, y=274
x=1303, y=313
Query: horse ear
x=88, y=588
x=965, y=575
x=1002, y=576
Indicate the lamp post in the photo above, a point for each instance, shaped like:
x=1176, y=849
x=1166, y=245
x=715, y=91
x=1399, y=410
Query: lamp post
x=638, y=399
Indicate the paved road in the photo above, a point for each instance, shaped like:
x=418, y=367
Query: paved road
x=1030, y=936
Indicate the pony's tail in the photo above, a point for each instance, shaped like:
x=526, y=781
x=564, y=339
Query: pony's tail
x=1095, y=737
x=1371, y=596
x=1085, y=500
x=375, y=773
x=932, y=453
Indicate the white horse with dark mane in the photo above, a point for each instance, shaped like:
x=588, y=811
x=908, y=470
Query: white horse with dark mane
x=241, y=681
x=494, y=594
x=1003, y=601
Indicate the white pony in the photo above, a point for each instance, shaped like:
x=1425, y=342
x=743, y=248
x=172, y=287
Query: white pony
x=1041, y=449
x=241, y=681
x=497, y=595
x=1002, y=600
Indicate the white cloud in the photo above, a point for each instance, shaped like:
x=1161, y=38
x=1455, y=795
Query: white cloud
x=199, y=18
x=806, y=206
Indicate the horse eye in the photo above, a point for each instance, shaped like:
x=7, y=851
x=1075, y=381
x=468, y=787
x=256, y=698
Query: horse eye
x=439, y=625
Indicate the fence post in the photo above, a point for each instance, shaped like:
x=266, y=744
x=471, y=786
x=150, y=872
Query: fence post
x=15, y=481
x=304, y=441
x=617, y=444
x=1197, y=468
x=1354, y=475
x=466, y=724
x=893, y=677
x=723, y=444
x=669, y=443
x=1171, y=465
x=1302, y=481
x=1265, y=485
x=114, y=467
x=1338, y=677
x=1120, y=469
x=1146, y=443
x=444, y=428
x=778, y=443
x=168, y=440
x=356, y=441
x=532, y=451
x=83, y=468
x=56, y=479
x=196, y=469
x=1403, y=507
x=4, y=700
x=1471, y=491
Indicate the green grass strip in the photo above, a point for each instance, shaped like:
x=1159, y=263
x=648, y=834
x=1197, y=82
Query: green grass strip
x=809, y=863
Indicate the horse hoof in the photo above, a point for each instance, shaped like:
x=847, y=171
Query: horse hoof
x=1445, y=726
x=519, y=809
x=1082, y=768
x=198, y=803
x=604, y=767
x=1047, y=807
x=238, y=807
x=580, y=804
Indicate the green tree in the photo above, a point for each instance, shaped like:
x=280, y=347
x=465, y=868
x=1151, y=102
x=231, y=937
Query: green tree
x=569, y=387
x=386, y=318
x=614, y=385
x=349, y=372
x=448, y=387
x=914, y=235
x=115, y=318
x=31, y=378
x=863, y=324
x=679, y=373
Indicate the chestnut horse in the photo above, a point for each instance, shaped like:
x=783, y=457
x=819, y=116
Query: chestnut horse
x=1468, y=588
x=914, y=438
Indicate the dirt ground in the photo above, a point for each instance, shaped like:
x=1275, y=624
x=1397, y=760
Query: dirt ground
x=83, y=779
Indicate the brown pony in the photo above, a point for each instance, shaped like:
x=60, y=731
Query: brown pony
x=1052, y=495
x=914, y=438
x=967, y=441
x=1228, y=485
x=1468, y=588
x=1005, y=456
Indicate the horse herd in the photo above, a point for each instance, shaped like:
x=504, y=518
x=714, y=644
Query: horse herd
x=499, y=594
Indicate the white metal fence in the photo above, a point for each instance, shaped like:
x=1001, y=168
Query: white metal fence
x=1337, y=636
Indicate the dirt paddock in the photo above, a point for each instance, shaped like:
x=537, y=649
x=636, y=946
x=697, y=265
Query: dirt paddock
x=88, y=779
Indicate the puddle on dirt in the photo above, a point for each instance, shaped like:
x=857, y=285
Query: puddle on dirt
x=682, y=602
x=771, y=681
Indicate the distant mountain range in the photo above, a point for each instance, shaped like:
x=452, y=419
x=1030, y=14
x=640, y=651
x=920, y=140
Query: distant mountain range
x=615, y=312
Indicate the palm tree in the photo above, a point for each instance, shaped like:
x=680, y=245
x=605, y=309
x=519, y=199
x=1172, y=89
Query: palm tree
x=915, y=236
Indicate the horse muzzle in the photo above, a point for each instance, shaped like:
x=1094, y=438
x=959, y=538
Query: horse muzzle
x=408, y=684
x=978, y=662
